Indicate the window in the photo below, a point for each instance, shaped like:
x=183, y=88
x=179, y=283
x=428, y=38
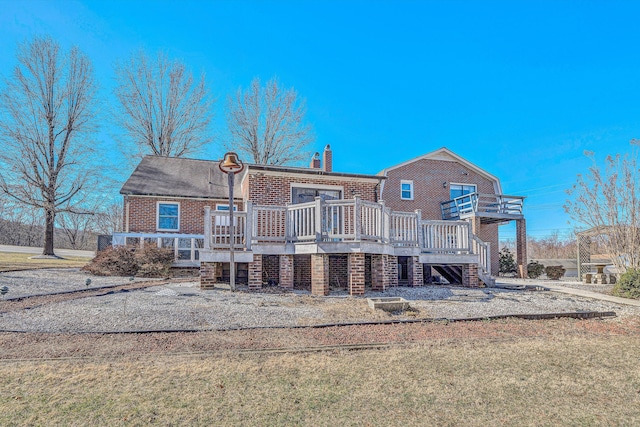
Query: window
x=309, y=194
x=458, y=190
x=168, y=216
x=406, y=190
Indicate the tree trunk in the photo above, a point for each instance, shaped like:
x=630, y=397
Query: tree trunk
x=50, y=217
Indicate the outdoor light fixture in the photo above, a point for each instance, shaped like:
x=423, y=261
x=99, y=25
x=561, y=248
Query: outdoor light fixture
x=231, y=165
x=444, y=185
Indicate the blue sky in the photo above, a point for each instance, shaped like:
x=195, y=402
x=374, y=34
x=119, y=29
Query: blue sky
x=519, y=88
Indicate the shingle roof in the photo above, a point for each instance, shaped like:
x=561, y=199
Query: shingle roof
x=180, y=177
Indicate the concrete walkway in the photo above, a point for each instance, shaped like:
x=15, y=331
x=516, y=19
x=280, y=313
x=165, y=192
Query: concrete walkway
x=38, y=251
x=590, y=294
x=503, y=282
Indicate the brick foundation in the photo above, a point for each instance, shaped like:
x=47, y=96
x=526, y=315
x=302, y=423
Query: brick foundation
x=356, y=273
x=255, y=273
x=302, y=272
x=339, y=271
x=391, y=270
x=470, y=276
x=319, y=274
x=415, y=271
x=209, y=274
x=270, y=268
x=286, y=271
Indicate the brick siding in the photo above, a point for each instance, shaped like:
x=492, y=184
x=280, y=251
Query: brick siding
x=271, y=189
x=143, y=213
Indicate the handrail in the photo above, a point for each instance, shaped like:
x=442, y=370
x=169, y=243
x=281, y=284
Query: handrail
x=482, y=202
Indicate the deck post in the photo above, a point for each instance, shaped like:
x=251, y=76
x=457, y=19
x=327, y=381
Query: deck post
x=386, y=224
x=287, y=223
x=357, y=220
x=470, y=236
x=207, y=228
x=380, y=225
x=419, y=236
x=318, y=220
x=248, y=232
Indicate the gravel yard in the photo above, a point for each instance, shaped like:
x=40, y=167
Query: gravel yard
x=54, y=280
x=183, y=305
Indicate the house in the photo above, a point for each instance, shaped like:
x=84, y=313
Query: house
x=430, y=218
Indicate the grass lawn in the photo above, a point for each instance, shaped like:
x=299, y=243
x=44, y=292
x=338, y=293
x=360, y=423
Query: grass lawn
x=11, y=261
x=560, y=380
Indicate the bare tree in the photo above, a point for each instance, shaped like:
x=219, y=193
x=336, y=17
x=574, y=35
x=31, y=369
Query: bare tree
x=109, y=218
x=46, y=112
x=267, y=124
x=162, y=110
x=77, y=227
x=607, y=200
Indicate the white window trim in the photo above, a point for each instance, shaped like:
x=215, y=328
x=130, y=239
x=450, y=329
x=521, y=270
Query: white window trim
x=404, y=181
x=158, y=215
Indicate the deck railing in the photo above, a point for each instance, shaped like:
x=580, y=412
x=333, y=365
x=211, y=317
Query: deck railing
x=477, y=203
x=446, y=236
x=483, y=249
x=352, y=220
x=331, y=221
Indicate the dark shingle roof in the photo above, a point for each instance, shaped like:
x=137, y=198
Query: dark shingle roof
x=180, y=177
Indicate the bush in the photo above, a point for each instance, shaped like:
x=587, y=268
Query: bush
x=114, y=261
x=629, y=285
x=150, y=261
x=154, y=261
x=554, y=272
x=535, y=269
x=507, y=263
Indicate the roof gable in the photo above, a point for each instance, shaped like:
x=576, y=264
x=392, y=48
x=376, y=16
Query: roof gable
x=444, y=154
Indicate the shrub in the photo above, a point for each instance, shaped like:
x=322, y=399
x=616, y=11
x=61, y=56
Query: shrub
x=118, y=261
x=154, y=261
x=535, y=269
x=507, y=263
x=554, y=272
x=150, y=261
x=629, y=285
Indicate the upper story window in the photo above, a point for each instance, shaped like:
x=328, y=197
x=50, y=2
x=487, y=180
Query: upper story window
x=168, y=216
x=406, y=190
x=458, y=190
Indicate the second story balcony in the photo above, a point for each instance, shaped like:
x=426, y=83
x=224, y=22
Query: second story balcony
x=490, y=208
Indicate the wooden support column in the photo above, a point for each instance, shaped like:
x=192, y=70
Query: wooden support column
x=255, y=273
x=415, y=272
x=286, y=271
x=521, y=247
x=356, y=273
x=319, y=274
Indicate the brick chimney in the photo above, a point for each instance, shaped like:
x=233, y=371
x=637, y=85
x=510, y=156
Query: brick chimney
x=327, y=159
x=315, y=161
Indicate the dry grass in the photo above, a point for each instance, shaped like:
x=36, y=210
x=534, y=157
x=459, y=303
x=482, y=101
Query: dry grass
x=12, y=261
x=575, y=380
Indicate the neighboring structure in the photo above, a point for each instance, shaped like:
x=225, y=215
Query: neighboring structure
x=431, y=217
